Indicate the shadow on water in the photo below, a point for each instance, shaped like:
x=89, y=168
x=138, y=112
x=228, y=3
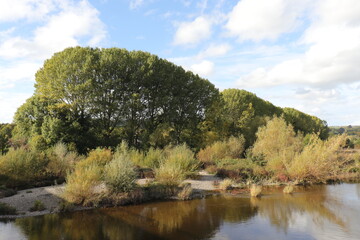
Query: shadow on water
x=210, y=218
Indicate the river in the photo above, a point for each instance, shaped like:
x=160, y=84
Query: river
x=317, y=212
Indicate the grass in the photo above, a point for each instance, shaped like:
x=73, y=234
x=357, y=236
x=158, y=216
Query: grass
x=7, y=210
x=288, y=189
x=186, y=192
x=226, y=184
x=38, y=206
x=255, y=190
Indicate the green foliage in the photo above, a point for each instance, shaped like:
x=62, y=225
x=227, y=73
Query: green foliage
x=320, y=160
x=244, y=113
x=98, y=157
x=81, y=184
x=305, y=123
x=278, y=144
x=226, y=184
x=38, y=206
x=178, y=161
x=21, y=166
x=182, y=156
x=233, y=147
x=7, y=210
x=96, y=97
x=119, y=174
x=5, y=136
x=61, y=160
x=153, y=158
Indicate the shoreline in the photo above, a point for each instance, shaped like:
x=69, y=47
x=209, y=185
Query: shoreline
x=50, y=196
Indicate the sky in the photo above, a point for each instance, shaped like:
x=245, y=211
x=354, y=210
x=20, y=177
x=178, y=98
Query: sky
x=303, y=54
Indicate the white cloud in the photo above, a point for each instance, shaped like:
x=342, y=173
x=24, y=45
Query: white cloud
x=12, y=10
x=17, y=72
x=332, y=57
x=264, y=19
x=56, y=24
x=135, y=4
x=191, y=33
x=9, y=102
x=205, y=68
x=215, y=50
x=63, y=29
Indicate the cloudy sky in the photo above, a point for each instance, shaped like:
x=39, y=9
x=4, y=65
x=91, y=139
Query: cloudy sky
x=294, y=53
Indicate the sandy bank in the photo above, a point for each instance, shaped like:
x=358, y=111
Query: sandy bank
x=51, y=196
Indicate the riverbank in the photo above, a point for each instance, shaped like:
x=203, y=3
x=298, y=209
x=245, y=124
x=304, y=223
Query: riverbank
x=203, y=185
x=51, y=196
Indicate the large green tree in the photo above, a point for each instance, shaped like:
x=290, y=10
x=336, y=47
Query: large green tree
x=97, y=97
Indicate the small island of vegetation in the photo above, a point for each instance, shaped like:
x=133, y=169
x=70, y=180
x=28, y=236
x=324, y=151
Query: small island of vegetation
x=100, y=119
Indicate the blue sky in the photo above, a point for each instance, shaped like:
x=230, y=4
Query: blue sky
x=294, y=53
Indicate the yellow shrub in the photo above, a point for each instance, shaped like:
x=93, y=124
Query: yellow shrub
x=230, y=148
x=98, y=157
x=81, y=184
x=278, y=143
x=319, y=161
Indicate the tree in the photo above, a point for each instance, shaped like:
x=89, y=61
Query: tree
x=98, y=97
x=5, y=135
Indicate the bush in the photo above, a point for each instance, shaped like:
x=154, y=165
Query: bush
x=61, y=160
x=38, y=206
x=119, y=174
x=21, y=166
x=226, y=184
x=6, y=209
x=181, y=156
x=153, y=158
x=230, y=148
x=240, y=169
x=99, y=157
x=169, y=174
x=186, y=192
x=255, y=190
x=288, y=189
x=319, y=161
x=81, y=184
x=136, y=156
x=178, y=161
x=278, y=144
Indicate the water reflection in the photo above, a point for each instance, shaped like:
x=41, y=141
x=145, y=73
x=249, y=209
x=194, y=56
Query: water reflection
x=282, y=210
x=319, y=212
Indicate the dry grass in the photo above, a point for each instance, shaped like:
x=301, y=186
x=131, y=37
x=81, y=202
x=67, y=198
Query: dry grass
x=226, y=184
x=255, y=190
x=186, y=192
x=319, y=161
x=80, y=188
x=288, y=189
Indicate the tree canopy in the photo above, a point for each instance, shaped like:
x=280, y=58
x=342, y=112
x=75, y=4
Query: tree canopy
x=96, y=97
x=92, y=97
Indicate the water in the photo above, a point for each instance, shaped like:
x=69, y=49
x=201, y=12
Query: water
x=319, y=212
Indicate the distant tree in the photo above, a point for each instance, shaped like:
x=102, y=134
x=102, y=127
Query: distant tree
x=341, y=130
x=5, y=135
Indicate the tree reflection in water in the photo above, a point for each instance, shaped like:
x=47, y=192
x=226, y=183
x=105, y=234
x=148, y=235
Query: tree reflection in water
x=207, y=218
x=283, y=209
